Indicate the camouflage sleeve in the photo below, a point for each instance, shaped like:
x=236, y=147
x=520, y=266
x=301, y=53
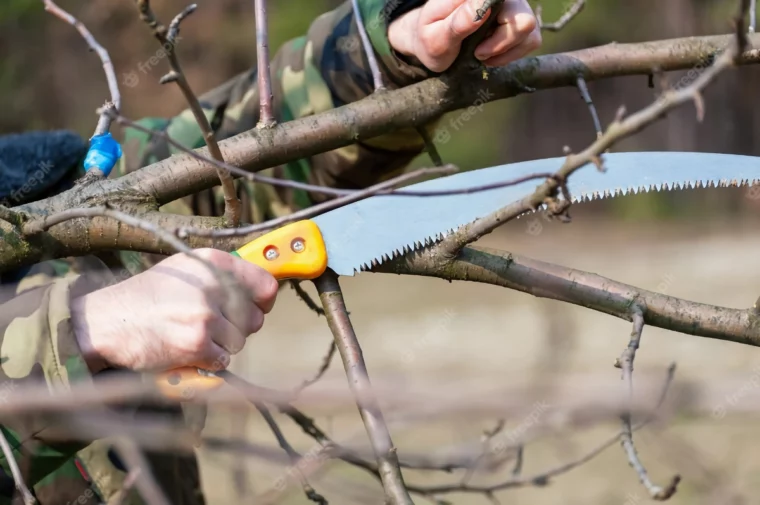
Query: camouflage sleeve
x=38, y=346
x=323, y=69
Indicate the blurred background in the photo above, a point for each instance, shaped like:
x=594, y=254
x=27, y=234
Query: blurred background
x=700, y=245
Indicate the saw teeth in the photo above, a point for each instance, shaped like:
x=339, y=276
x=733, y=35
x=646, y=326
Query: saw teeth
x=401, y=251
x=577, y=198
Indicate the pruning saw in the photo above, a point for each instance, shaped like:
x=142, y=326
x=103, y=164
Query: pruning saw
x=366, y=233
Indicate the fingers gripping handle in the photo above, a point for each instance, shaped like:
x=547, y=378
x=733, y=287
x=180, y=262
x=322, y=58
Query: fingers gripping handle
x=295, y=251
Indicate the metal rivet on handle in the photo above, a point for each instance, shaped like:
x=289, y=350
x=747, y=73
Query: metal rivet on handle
x=297, y=245
x=271, y=253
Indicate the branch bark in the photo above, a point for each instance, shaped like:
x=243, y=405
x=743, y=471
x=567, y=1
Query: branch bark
x=358, y=379
x=502, y=268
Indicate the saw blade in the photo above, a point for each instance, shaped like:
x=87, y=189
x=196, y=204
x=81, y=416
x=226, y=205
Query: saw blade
x=377, y=229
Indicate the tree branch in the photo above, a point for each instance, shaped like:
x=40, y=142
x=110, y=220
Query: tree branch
x=369, y=52
x=626, y=363
x=232, y=206
x=501, y=268
x=414, y=105
x=568, y=16
x=104, y=123
x=358, y=379
x=293, y=455
x=145, y=481
x=266, y=114
x=18, y=479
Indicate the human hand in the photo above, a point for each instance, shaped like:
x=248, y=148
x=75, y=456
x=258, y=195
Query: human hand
x=172, y=315
x=434, y=32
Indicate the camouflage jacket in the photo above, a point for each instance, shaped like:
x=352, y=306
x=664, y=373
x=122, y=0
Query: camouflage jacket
x=324, y=69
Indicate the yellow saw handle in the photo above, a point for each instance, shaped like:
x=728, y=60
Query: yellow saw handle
x=295, y=251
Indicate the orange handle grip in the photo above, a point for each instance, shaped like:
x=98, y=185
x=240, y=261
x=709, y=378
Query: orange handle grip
x=295, y=251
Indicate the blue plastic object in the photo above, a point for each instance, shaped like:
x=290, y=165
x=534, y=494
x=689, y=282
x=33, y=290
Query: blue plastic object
x=103, y=154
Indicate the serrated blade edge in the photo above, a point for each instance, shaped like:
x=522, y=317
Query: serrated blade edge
x=369, y=232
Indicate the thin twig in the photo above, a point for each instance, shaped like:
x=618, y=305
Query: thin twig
x=517, y=469
x=543, y=478
x=266, y=114
x=18, y=479
x=358, y=379
x=104, y=124
x=586, y=96
x=306, y=298
x=232, y=205
x=377, y=76
x=487, y=436
x=626, y=363
x=752, y=16
x=315, y=210
x=326, y=362
x=286, y=183
x=740, y=25
x=568, y=16
x=127, y=485
x=293, y=455
x=173, y=32
x=145, y=481
x=430, y=146
x=481, y=11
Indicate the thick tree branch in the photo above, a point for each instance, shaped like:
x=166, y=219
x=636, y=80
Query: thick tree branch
x=589, y=290
x=414, y=105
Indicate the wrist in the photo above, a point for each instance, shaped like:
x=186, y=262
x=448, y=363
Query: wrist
x=84, y=326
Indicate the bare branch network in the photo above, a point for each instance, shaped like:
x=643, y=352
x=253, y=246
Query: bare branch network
x=79, y=222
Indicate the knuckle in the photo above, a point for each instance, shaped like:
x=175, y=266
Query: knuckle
x=206, y=319
x=534, y=40
x=197, y=341
x=257, y=321
x=269, y=288
x=433, y=44
x=525, y=25
x=215, y=256
x=204, y=252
